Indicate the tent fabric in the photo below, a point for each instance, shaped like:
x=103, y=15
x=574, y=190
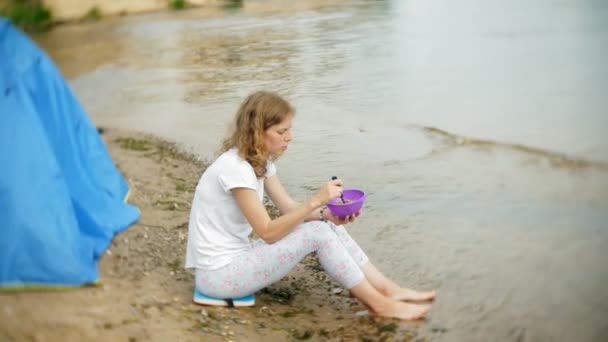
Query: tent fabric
x=62, y=200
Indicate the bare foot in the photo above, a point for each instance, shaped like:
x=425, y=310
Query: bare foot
x=405, y=294
x=404, y=311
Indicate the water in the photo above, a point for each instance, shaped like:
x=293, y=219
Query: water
x=477, y=128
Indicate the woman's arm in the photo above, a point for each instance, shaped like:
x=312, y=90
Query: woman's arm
x=279, y=195
x=269, y=230
x=273, y=230
x=281, y=199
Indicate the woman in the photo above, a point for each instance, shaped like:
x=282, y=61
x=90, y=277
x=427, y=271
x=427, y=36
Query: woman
x=228, y=205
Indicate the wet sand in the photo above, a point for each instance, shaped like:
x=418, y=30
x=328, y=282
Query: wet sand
x=146, y=295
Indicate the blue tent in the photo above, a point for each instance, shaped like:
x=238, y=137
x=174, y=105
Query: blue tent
x=62, y=200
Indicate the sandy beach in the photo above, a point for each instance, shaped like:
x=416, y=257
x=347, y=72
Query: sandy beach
x=146, y=294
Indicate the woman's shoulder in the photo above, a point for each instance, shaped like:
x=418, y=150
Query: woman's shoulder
x=231, y=158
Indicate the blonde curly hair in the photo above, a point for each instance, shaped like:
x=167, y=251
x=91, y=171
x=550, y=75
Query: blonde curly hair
x=257, y=113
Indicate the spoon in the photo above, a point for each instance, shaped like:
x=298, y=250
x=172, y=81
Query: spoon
x=341, y=193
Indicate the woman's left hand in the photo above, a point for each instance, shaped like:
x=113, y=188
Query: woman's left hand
x=340, y=220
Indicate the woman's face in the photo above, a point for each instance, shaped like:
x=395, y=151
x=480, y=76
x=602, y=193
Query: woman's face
x=277, y=137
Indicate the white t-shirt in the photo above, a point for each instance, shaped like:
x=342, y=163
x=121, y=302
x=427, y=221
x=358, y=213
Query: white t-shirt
x=218, y=231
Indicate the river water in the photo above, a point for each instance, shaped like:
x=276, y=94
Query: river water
x=477, y=129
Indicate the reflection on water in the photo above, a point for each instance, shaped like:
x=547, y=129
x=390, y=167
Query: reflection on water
x=476, y=128
x=226, y=60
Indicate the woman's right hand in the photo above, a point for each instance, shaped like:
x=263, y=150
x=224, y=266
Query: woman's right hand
x=328, y=191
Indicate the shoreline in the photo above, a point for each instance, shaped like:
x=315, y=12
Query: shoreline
x=146, y=294
x=46, y=14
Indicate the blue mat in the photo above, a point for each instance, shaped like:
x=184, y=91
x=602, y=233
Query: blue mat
x=203, y=299
x=62, y=200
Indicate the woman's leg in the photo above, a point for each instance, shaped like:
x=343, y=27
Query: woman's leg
x=384, y=306
x=266, y=263
x=382, y=283
x=389, y=288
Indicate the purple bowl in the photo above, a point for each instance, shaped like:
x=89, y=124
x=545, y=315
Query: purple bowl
x=339, y=209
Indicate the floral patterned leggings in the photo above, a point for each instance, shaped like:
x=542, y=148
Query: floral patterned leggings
x=264, y=264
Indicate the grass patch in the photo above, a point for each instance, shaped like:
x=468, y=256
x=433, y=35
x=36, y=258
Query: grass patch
x=134, y=144
x=181, y=187
x=28, y=14
x=233, y=4
x=177, y=4
x=93, y=14
x=175, y=265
